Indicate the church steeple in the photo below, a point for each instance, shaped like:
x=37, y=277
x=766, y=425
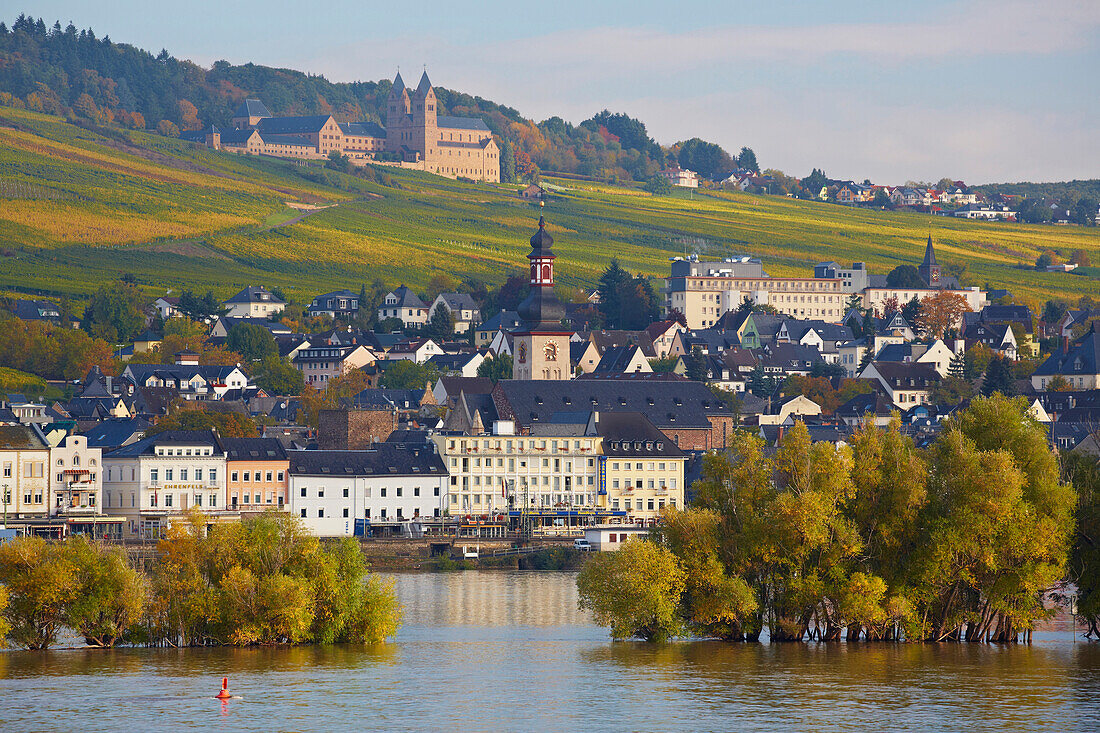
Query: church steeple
x=541, y=344
x=929, y=270
x=424, y=85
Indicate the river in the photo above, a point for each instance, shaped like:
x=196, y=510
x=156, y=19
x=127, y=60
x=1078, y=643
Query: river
x=509, y=651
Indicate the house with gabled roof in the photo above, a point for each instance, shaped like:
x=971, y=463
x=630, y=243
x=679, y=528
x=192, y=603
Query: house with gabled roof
x=463, y=309
x=404, y=305
x=253, y=301
x=906, y=384
x=1078, y=364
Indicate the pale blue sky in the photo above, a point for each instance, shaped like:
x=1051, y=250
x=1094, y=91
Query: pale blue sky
x=982, y=90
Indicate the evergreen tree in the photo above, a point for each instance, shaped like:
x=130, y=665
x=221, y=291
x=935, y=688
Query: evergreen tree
x=507, y=161
x=695, y=365
x=957, y=367
x=999, y=377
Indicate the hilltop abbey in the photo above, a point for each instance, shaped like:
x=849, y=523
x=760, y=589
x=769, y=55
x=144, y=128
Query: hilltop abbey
x=415, y=136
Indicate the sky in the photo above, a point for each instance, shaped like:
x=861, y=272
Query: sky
x=977, y=90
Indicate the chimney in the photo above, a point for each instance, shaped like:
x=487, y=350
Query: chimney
x=1065, y=345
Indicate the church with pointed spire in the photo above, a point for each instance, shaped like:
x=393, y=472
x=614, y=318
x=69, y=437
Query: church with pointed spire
x=540, y=348
x=415, y=134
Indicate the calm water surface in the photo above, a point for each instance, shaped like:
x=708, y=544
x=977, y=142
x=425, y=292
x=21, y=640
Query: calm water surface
x=489, y=651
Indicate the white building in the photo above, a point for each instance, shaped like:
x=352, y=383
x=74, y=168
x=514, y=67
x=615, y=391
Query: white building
x=253, y=302
x=404, y=305
x=386, y=487
x=681, y=177
x=156, y=480
x=76, y=487
x=24, y=481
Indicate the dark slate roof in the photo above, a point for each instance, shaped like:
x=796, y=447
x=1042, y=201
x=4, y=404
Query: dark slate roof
x=113, y=433
x=35, y=310
x=366, y=129
x=631, y=434
x=402, y=399
x=872, y=402
x=792, y=357
x=459, y=301
x=236, y=137
x=911, y=375
x=146, y=446
x=616, y=359
x=385, y=459
x=406, y=298
x=827, y=331
x=291, y=125
x=210, y=373
x=253, y=449
x=252, y=108
x=506, y=320
x=1083, y=358
x=470, y=385
x=271, y=139
x=193, y=136
x=667, y=403
x=462, y=123
x=254, y=294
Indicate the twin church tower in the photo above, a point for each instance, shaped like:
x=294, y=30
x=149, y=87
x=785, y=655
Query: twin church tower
x=541, y=345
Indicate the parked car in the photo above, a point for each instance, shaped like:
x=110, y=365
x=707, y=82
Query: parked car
x=583, y=545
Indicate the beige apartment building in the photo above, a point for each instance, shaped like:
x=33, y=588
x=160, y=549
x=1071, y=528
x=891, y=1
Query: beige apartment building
x=604, y=466
x=24, y=473
x=703, y=291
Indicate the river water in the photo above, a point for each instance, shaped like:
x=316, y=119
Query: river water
x=509, y=651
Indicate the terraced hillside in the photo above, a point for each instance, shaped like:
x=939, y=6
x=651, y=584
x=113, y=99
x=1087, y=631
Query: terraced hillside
x=78, y=206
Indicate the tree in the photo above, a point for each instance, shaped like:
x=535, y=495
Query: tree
x=337, y=161
x=167, y=128
x=713, y=603
x=999, y=378
x=905, y=276
x=951, y=390
x=507, y=161
x=1058, y=383
x=441, y=324
x=912, y=311
x=407, y=374
x=187, y=417
x=41, y=582
x=940, y=312
x=814, y=182
x=1084, y=213
x=977, y=359
x=115, y=312
x=747, y=160
x=496, y=368
x=695, y=365
x=636, y=591
x=613, y=283
x=1083, y=473
x=1044, y=261
x=1053, y=310
x=707, y=159
x=110, y=597
x=658, y=185
x=199, y=308
x=441, y=283
x=253, y=342
x=1080, y=257
x=277, y=376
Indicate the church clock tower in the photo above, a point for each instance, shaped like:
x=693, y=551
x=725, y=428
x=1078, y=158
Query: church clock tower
x=541, y=345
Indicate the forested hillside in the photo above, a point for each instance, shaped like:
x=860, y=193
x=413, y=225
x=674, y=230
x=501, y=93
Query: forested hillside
x=71, y=72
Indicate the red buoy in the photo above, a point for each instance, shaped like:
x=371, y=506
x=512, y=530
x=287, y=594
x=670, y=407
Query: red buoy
x=224, y=694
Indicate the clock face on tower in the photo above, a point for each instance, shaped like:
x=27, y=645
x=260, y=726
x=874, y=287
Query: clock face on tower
x=550, y=351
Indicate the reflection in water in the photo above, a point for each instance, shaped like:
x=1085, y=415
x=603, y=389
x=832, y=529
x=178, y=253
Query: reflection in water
x=491, y=599
x=506, y=651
